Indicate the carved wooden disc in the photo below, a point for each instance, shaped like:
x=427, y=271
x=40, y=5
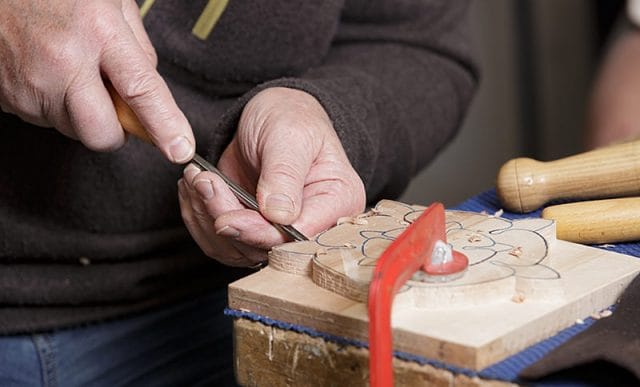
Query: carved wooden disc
x=508, y=259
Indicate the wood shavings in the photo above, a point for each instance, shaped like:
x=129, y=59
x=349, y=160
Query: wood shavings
x=498, y=213
x=518, y=298
x=602, y=314
x=370, y=213
x=474, y=238
x=320, y=251
x=360, y=221
x=84, y=261
x=605, y=313
x=516, y=251
x=343, y=219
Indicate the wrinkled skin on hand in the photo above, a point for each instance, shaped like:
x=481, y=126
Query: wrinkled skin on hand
x=55, y=54
x=287, y=152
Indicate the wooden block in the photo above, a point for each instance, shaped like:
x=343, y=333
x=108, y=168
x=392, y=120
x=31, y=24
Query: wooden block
x=269, y=356
x=522, y=285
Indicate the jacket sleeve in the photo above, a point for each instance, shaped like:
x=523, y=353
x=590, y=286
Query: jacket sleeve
x=396, y=83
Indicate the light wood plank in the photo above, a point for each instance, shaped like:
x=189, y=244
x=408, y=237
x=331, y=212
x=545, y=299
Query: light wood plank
x=473, y=322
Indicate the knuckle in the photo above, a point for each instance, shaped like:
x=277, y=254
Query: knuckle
x=30, y=105
x=287, y=170
x=200, y=216
x=211, y=252
x=105, y=21
x=99, y=141
x=142, y=85
x=199, y=210
x=359, y=192
x=190, y=222
x=150, y=52
x=225, y=255
x=60, y=58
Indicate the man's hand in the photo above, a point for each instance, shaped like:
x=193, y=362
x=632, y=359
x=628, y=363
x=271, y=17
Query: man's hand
x=55, y=54
x=286, y=151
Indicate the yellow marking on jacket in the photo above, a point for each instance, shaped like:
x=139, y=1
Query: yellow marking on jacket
x=145, y=7
x=208, y=18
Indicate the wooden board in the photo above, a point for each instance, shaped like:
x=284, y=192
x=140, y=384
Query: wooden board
x=273, y=357
x=521, y=286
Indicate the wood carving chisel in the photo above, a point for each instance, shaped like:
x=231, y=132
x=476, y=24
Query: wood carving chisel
x=131, y=124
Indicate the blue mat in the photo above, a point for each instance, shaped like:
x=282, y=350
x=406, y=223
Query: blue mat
x=507, y=369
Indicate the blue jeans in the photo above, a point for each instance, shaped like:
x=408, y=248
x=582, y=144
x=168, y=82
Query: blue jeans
x=188, y=344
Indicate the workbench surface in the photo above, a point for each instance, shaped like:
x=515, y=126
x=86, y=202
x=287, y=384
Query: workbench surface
x=277, y=352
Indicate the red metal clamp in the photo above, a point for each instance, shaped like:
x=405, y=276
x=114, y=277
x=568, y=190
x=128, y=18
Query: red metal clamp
x=423, y=245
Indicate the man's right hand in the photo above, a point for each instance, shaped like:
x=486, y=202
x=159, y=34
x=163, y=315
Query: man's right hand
x=55, y=55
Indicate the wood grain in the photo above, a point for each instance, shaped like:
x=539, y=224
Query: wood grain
x=269, y=356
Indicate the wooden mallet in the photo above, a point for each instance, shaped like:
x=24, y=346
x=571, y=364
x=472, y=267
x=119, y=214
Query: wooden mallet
x=524, y=185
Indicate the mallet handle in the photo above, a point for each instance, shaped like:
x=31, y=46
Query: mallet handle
x=524, y=185
x=597, y=221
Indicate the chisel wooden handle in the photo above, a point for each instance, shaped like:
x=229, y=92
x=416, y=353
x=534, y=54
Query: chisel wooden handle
x=597, y=221
x=127, y=117
x=524, y=185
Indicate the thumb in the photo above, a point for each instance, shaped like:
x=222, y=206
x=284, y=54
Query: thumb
x=282, y=178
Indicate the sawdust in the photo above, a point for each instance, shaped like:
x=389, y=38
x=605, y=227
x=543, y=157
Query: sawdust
x=474, y=238
x=516, y=251
x=357, y=220
x=320, y=251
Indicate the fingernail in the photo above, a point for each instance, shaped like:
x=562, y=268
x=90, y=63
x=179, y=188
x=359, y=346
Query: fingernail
x=279, y=202
x=204, y=188
x=181, y=150
x=191, y=168
x=190, y=173
x=228, y=231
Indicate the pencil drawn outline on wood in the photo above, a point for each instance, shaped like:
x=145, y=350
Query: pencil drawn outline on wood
x=345, y=264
